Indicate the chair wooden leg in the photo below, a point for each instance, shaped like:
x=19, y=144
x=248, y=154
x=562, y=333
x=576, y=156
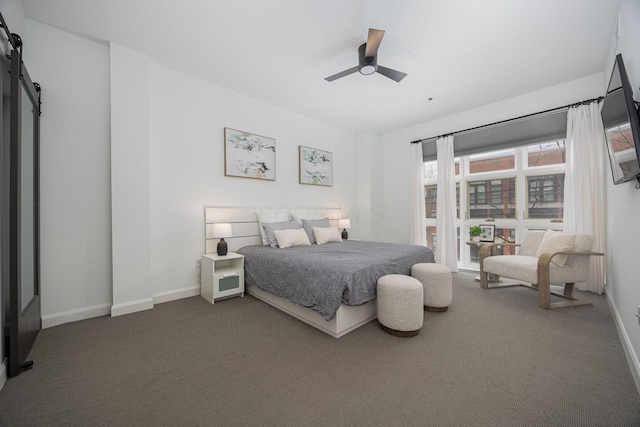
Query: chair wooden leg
x=544, y=286
x=484, y=280
x=568, y=290
x=544, y=295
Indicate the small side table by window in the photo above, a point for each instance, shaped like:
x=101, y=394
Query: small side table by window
x=491, y=278
x=222, y=276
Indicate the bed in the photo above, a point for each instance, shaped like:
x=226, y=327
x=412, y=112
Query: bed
x=330, y=286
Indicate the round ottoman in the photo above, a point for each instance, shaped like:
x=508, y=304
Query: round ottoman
x=436, y=279
x=400, y=305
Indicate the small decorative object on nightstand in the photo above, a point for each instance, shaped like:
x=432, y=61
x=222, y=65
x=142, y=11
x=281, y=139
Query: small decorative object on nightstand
x=220, y=231
x=222, y=276
x=344, y=224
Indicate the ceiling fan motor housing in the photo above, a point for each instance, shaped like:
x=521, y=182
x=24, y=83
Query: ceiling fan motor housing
x=368, y=64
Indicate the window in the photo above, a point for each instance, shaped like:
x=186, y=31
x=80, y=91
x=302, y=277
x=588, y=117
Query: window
x=431, y=200
x=496, y=192
x=432, y=238
x=477, y=193
x=493, y=161
x=431, y=169
x=493, y=198
x=515, y=190
x=545, y=196
x=546, y=153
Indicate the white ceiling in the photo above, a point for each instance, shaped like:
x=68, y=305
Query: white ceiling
x=461, y=53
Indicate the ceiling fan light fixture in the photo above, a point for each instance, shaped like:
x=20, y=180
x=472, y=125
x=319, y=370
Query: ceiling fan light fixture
x=368, y=60
x=367, y=69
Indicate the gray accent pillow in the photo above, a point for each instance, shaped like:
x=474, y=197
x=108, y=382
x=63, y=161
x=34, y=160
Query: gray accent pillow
x=308, y=225
x=269, y=229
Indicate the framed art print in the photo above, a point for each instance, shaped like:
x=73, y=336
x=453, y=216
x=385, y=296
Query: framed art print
x=315, y=166
x=488, y=233
x=247, y=155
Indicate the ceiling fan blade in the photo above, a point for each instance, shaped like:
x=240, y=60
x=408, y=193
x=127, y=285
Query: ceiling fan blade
x=342, y=74
x=392, y=74
x=373, y=42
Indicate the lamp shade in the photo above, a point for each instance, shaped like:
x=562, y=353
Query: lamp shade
x=221, y=230
x=344, y=223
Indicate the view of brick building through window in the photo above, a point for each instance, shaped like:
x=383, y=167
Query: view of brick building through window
x=494, y=198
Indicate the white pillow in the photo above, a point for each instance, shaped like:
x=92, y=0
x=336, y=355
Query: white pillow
x=556, y=241
x=270, y=228
x=289, y=238
x=310, y=224
x=327, y=235
x=269, y=217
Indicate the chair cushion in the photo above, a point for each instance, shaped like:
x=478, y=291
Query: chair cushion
x=514, y=266
x=525, y=268
x=556, y=241
x=531, y=242
x=583, y=243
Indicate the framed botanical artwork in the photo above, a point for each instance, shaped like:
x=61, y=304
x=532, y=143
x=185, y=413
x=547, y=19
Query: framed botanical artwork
x=315, y=166
x=488, y=233
x=247, y=155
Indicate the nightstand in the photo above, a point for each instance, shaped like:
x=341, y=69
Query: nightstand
x=222, y=276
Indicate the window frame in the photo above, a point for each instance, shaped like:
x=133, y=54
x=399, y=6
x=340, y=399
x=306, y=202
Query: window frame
x=521, y=223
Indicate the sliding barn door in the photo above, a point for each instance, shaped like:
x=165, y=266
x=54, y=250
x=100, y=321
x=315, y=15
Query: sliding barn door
x=24, y=319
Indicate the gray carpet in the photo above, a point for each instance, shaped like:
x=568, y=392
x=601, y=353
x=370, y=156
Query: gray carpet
x=494, y=359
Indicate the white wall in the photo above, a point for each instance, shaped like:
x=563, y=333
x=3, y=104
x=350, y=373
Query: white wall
x=130, y=181
x=623, y=204
x=397, y=144
x=13, y=14
x=75, y=229
x=99, y=147
x=187, y=118
x=366, y=218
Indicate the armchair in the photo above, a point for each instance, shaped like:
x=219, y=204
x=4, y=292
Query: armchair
x=544, y=258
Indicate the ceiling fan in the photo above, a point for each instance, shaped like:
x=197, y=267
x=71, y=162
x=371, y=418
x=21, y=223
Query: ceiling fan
x=368, y=60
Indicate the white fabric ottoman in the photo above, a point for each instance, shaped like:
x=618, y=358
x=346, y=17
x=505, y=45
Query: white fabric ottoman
x=400, y=305
x=436, y=279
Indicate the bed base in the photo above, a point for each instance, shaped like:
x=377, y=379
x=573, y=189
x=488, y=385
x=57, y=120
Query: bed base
x=347, y=318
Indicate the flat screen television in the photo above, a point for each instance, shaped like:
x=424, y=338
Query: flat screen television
x=621, y=126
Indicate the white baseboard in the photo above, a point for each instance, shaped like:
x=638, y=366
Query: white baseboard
x=51, y=320
x=632, y=357
x=3, y=373
x=176, y=295
x=131, y=307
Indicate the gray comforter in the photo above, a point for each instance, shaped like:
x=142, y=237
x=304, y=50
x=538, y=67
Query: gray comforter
x=321, y=277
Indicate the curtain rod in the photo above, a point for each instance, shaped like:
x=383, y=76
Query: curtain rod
x=575, y=104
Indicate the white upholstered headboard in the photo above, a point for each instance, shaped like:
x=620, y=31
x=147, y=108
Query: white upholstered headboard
x=244, y=223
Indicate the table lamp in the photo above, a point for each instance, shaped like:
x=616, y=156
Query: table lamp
x=344, y=224
x=220, y=231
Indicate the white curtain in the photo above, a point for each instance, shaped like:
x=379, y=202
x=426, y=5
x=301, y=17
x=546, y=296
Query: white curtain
x=417, y=227
x=584, y=184
x=447, y=244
